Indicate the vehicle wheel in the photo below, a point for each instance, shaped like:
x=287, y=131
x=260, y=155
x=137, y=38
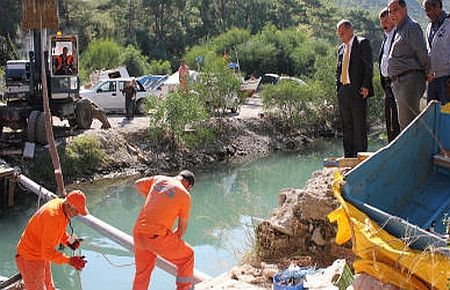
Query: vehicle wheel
x=140, y=110
x=31, y=126
x=72, y=122
x=83, y=114
x=41, y=134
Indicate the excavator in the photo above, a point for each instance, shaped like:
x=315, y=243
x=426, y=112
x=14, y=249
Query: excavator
x=55, y=56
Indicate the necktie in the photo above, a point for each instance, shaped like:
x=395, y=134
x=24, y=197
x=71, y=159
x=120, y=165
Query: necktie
x=344, y=79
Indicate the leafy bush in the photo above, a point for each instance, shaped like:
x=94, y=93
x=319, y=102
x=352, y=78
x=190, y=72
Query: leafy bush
x=82, y=155
x=292, y=103
x=176, y=119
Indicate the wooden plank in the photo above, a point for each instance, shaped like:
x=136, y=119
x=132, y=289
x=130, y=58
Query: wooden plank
x=33, y=10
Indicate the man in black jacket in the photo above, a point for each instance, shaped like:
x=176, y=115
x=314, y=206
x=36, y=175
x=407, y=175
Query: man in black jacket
x=354, y=85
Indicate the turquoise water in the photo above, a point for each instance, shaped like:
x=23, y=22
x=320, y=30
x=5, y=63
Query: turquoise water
x=226, y=203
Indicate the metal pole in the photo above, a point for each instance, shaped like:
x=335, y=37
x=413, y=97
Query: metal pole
x=107, y=230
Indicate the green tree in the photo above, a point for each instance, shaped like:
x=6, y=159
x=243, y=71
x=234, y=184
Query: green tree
x=10, y=11
x=101, y=54
x=159, y=67
x=136, y=63
x=171, y=116
x=218, y=86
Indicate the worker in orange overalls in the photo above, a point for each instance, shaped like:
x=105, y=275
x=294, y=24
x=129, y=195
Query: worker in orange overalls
x=43, y=233
x=166, y=200
x=64, y=63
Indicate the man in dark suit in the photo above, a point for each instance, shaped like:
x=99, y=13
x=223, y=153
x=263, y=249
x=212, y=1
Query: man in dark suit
x=354, y=85
x=390, y=105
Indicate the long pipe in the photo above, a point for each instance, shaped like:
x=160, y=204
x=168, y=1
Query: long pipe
x=107, y=230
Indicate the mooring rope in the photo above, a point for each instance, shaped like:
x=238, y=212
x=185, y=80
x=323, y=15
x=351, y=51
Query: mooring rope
x=104, y=255
x=39, y=198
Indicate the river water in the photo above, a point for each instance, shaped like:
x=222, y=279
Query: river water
x=226, y=204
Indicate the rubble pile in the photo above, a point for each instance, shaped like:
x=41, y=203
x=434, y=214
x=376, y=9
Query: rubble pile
x=299, y=226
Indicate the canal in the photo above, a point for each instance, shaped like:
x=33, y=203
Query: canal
x=227, y=202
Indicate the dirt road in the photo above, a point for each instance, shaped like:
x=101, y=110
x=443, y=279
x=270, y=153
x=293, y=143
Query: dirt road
x=251, y=108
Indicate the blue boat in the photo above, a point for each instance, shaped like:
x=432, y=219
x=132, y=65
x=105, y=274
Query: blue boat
x=405, y=186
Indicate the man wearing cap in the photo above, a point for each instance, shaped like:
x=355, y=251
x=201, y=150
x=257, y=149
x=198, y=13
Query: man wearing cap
x=167, y=199
x=43, y=233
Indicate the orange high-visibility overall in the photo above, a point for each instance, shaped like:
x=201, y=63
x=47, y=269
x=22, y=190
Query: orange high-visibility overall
x=37, y=246
x=166, y=200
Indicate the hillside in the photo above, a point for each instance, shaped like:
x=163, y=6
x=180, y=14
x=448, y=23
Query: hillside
x=414, y=7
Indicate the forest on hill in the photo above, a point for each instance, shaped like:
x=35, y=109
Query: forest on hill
x=415, y=8
x=150, y=36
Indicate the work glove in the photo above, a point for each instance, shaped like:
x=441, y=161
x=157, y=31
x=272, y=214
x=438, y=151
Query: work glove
x=75, y=244
x=78, y=262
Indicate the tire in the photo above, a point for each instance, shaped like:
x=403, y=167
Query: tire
x=72, y=122
x=140, y=110
x=83, y=114
x=31, y=126
x=41, y=134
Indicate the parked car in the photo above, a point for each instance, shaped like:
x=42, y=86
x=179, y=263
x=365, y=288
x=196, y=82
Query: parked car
x=152, y=82
x=275, y=79
x=108, y=95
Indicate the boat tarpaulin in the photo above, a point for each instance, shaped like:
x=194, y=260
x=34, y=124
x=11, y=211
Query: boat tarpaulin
x=384, y=256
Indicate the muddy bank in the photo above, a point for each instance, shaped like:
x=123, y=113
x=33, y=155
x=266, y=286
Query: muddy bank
x=131, y=152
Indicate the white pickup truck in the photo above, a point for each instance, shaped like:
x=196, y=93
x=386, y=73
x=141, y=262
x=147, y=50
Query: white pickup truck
x=108, y=95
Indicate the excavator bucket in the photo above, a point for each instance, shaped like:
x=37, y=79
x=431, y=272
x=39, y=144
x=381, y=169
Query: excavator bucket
x=35, y=10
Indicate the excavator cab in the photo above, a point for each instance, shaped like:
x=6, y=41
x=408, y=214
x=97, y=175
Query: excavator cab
x=64, y=55
x=64, y=66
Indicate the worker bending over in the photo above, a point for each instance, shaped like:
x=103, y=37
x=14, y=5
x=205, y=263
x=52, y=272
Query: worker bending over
x=166, y=200
x=43, y=233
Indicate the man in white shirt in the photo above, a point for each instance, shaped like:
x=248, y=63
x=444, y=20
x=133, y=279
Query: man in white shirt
x=390, y=105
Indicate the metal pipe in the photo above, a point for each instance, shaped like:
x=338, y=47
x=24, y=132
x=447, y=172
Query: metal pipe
x=107, y=230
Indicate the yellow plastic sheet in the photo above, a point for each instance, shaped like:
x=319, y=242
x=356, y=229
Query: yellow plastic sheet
x=384, y=256
x=446, y=108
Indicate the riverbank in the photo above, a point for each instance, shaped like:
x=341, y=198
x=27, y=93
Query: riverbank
x=129, y=151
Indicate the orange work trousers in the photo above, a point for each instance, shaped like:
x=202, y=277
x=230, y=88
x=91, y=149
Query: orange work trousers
x=170, y=247
x=36, y=275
